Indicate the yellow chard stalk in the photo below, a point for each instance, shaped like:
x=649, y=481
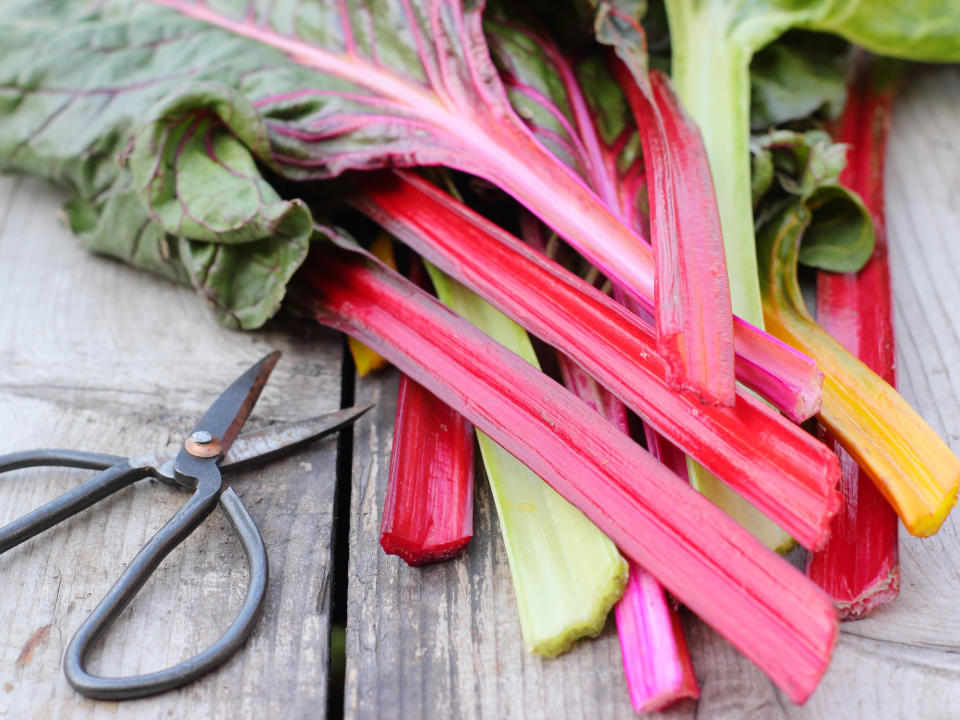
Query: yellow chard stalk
x=911, y=466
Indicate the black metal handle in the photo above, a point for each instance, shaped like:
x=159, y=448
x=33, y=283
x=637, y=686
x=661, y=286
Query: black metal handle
x=133, y=578
x=58, y=458
x=71, y=502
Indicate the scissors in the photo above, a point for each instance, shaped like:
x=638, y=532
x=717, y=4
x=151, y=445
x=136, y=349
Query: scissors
x=215, y=444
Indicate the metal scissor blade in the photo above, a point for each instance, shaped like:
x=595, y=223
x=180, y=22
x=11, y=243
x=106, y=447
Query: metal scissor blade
x=229, y=412
x=263, y=444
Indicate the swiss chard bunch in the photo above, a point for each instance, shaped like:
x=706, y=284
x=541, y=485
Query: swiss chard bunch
x=200, y=140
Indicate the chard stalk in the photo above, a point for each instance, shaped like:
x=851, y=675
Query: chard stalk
x=567, y=575
x=428, y=509
x=793, y=479
x=711, y=74
x=685, y=136
x=859, y=568
x=687, y=243
x=759, y=602
x=910, y=465
x=366, y=360
x=653, y=645
x=656, y=660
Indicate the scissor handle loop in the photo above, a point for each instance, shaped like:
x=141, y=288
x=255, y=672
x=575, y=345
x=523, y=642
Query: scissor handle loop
x=136, y=574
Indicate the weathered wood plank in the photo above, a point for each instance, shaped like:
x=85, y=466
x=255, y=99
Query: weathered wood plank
x=444, y=641
x=98, y=356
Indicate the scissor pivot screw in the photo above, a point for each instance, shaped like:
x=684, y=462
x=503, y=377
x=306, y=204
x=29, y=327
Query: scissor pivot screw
x=202, y=444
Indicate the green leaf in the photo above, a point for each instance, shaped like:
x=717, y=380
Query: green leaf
x=180, y=194
x=800, y=75
x=924, y=30
x=120, y=227
x=193, y=168
x=840, y=237
x=805, y=168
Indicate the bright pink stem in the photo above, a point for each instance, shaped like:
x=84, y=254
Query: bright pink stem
x=665, y=451
x=692, y=297
x=793, y=479
x=428, y=510
x=859, y=568
x=656, y=660
x=592, y=393
x=755, y=599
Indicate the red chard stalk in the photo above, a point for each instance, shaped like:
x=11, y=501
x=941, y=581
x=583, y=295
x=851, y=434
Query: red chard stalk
x=428, y=510
x=793, y=480
x=687, y=242
x=859, y=568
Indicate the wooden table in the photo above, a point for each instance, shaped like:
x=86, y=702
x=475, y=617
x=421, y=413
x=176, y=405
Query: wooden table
x=97, y=356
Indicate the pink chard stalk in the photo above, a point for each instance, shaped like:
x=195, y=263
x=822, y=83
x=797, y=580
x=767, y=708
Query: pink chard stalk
x=656, y=660
x=763, y=605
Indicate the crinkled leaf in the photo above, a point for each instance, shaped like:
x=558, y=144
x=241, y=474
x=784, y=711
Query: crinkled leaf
x=69, y=115
x=799, y=75
x=121, y=228
x=805, y=167
x=192, y=163
x=193, y=167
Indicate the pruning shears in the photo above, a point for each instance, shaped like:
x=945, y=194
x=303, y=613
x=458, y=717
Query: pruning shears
x=215, y=444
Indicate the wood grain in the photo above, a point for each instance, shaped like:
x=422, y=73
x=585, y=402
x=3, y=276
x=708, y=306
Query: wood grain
x=444, y=641
x=97, y=356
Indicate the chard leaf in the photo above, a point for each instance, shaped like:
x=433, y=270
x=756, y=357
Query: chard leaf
x=792, y=167
x=840, y=237
x=193, y=167
x=337, y=85
x=924, y=30
x=70, y=116
x=120, y=227
x=800, y=75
